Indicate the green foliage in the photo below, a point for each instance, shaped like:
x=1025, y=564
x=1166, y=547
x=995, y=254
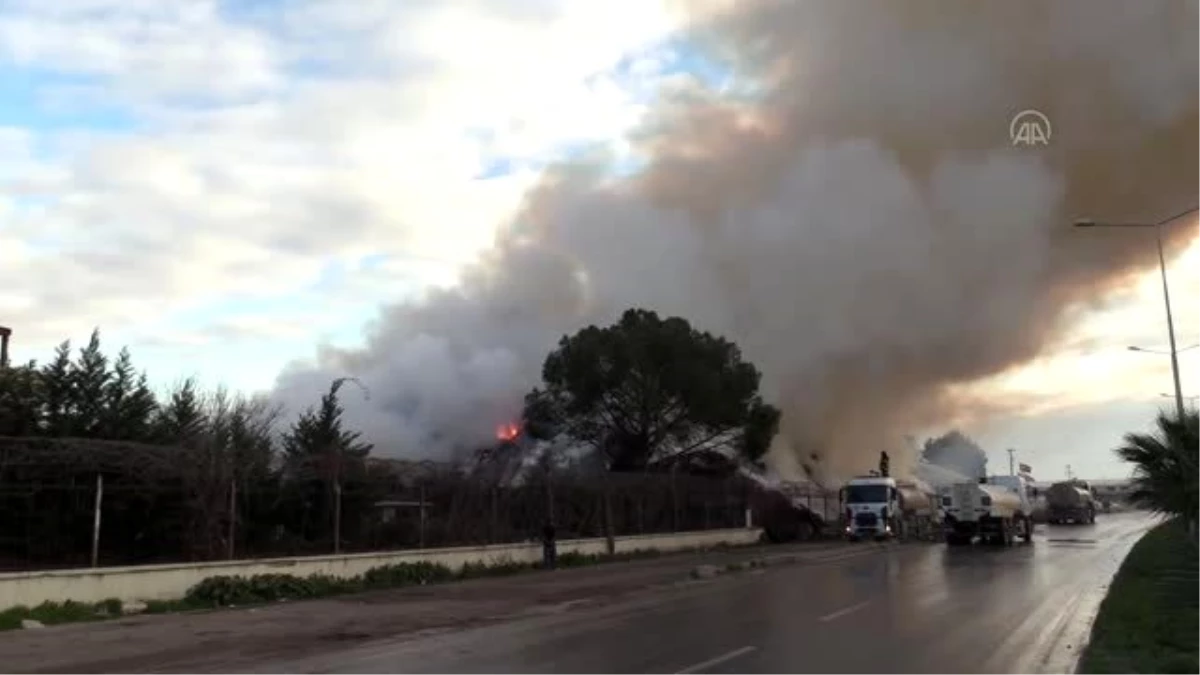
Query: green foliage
x=226, y=591
x=182, y=418
x=88, y=397
x=51, y=613
x=90, y=379
x=407, y=574
x=224, y=439
x=646, y=388
x=1148, y=622
x=21, y=397
x=59, y=393
x=129, y=403
x=318, y=435
x=1166, y=470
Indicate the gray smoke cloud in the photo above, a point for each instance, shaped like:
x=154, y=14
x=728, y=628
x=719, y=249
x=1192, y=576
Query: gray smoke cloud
x=861, y=224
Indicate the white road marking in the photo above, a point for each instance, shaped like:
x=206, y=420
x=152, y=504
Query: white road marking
x=717, y=660
x=845, y=611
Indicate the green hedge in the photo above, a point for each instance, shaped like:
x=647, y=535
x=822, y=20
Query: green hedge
x=225, y=591
x=50, y=613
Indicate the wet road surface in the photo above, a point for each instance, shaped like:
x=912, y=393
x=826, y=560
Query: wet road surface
x=912, y=608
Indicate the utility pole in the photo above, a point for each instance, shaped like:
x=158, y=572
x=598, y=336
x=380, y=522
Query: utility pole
x=232, y=518
x=1070, y=476
x=1012, y=466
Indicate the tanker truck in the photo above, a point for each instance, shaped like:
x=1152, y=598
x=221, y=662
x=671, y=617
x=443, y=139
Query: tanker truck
x=882, y=507
x=996, y=510
x=1070, y=502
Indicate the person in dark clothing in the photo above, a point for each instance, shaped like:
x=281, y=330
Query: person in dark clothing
x=549, y=547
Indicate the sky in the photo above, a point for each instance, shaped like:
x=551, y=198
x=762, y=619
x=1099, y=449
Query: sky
x=224, y=186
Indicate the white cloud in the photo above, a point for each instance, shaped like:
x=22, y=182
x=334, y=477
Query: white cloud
x=271, y=142
x=144, y=49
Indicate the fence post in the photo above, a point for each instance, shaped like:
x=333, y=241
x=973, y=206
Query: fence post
x=674, y=501
x=609, y=538
x=421, y=529
x=232, y=517
x=337, y=517
x=96, y=520
x=492, y=517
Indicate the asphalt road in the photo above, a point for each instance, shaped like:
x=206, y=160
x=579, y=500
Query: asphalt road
x=912, y=608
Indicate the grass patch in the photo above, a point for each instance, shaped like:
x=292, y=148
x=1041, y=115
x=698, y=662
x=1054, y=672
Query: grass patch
x=51, y=613
x=239, y=591
x=1150, y=620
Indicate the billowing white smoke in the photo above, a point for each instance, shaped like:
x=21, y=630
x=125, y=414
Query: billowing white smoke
x=864, y=229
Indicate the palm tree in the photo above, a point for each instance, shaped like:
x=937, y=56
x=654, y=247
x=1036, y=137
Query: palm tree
x=1165, y=477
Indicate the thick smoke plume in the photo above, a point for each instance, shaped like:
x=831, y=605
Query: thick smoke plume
x=857, y=219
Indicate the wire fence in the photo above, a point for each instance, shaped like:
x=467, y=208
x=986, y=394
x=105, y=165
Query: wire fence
x=66, y=504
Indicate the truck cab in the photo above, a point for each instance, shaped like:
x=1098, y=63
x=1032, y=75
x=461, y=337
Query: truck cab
x=870, y=505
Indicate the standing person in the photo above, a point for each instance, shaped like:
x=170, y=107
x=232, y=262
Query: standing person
x=549, y=546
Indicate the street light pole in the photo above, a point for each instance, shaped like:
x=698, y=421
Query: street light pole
x=1162, y=266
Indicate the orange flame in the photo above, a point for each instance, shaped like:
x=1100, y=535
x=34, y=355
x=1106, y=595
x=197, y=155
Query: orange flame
x=508, y=432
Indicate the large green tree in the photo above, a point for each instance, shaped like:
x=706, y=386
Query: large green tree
x=648, y=388
x=1166, y=474
x=324, y=464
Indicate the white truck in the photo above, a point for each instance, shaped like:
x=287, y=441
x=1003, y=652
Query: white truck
x=881, y=507
x=996, y=509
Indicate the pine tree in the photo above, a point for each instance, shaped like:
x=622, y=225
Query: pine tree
x=129, y=405
x=317, y=437
x=320, y=459
x=182, y=418
x=251, y=427
x=58, y=386
x=20, y=400
x=91, y=378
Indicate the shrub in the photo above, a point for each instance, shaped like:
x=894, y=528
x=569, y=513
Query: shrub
x=223, y=591
x=500, y=567
x=50, y=613
x=407, y=574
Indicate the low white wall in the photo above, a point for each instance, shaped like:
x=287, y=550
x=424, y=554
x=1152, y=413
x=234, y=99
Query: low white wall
x=166, y=582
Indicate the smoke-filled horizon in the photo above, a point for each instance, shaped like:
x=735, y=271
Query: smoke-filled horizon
x=861, y=226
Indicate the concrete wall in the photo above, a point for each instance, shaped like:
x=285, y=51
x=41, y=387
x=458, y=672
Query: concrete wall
x=166, y=582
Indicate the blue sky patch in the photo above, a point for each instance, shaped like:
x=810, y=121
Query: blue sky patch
x=41, y=101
